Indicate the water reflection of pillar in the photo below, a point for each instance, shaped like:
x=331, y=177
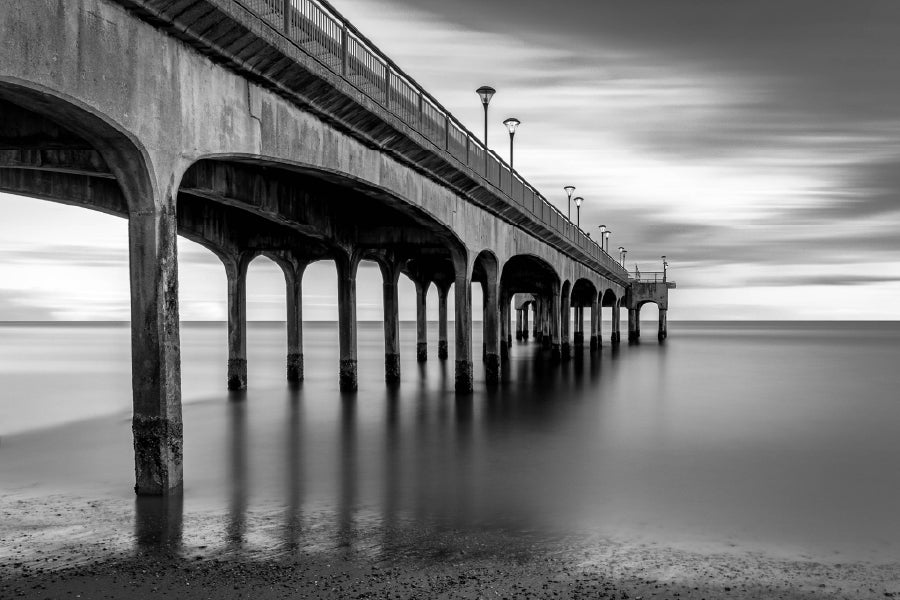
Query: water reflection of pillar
x=295, y=473
x=158, y=523
x=237, y=449
x=393, y=475
x=348, y=472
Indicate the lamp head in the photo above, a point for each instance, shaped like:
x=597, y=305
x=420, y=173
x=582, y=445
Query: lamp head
x=578, y=201
x=606, y=233
x=485, y=92
x=569, y=189
x=511, y=124
x=602, y=228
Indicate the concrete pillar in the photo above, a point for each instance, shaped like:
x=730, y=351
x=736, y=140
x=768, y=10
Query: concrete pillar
x=519, y=322
x=294, y=282
x=463, y=326
x=525, y=322
x=443, y=348
x=632, y=335
x=236, y=273
x=538, y=320
x=391, y=328
x=596, y=340
x=663, y=324
x=421, y=321
x=505, y=337
x=155, y=351
x=346, y=276
x=578, y=336
x=615, y=335
x=565, y=316
x=637, y=323
x=553, y=318
x=491, y=332
x=546, y=341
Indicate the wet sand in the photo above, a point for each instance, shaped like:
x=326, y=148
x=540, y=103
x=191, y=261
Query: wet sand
x=64, y=547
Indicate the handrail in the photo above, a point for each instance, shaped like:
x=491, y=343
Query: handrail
x=323, y=33
x=648, y=276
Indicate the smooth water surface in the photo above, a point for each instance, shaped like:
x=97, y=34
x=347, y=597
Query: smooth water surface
x=773, y=436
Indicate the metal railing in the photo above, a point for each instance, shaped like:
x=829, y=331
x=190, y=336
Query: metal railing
x=325, y=35
x=648, y=276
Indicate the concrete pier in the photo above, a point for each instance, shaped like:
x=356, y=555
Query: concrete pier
x=552, y=324
x=615, y=336
x=346, y=276
x=578, y=335
x=505, y=337
x=520, y=312
x=565, y=347
x=596, y=319
x=443, y=347
x=391, y=303
x=525, y=328
x=491, y=332
x=293, y=274
x=155, y=350
x=421, y=320
x=236, y=275
x=663, y=332
x=463, y=326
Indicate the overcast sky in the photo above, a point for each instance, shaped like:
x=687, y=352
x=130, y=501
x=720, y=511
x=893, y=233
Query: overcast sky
x=756, y=144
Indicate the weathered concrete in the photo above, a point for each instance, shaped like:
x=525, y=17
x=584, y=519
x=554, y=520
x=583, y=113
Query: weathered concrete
x=596, y=319
x=663, y=332
x=505, y=342
x=491, y=333
x=293, y=273
x=390, y=275
x=421, y=320
x=346, y=276
x=525, y=328
x=443, y=347
x=155, y=351
x=236, y=275
x=615, y=336
x=553, y=325
x=463, y=325
x=565, y=318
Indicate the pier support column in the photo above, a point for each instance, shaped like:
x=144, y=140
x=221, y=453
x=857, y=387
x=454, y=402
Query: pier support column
x=491, y=332
x=565, y=318
x=421, y=321
x=155, y=350
x=615, y=336
x=663, y=324
x=632, y=325
x=596, y=341
x=637, y=323
x=463, y=327
x=391, y=325
x=553, y=318
x=293, y=273
x=443, y=348
x=505, y=337
x=578, y=336
x=236, y=272
x=519, y=312
x=525, y=310
x=346, y=275
x=546, y=311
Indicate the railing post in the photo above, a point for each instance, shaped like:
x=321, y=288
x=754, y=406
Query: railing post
x=345, y=50
x=421, y=113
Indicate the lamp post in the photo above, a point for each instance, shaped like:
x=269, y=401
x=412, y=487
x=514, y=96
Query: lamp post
x=569, y=189
x=578, y=201
x=665, y=267
x=624, y=252
x=602, y=235
x=485, y=92
x=511, y=124
x=621, y=256
x=606, y=239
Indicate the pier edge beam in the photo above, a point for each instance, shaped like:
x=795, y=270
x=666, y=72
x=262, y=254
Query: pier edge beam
x=443, y=347
x=346, y=271
x=155, y=351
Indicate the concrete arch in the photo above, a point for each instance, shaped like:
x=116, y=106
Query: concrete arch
x=122, y=157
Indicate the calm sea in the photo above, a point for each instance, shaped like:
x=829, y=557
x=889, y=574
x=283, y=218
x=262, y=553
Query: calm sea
x=774, y=436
